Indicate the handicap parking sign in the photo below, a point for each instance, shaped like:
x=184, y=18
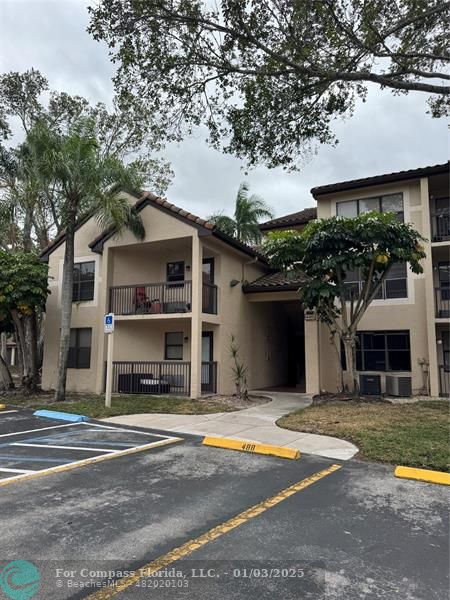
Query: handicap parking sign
x=108, y=323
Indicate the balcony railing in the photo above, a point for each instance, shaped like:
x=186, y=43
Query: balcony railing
x=444, y=380
x=152, y=377
x=209, y=299
x=442, y=297
x=161, y=378
x=440, y=225
x=151, y=298
x=160, y=298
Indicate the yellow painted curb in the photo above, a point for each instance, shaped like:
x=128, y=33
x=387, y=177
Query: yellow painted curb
x=2, y=406
x=253, y=447
x=423, y=475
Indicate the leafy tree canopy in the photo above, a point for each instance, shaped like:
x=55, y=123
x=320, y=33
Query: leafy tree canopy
x=248, y=213
x=28, y=209
x=327, y=249
x=23, y=283
x=269, y=77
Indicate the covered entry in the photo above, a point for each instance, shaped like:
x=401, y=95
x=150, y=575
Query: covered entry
x=283, y=317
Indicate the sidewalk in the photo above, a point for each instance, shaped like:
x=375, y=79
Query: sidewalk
x=255, y=424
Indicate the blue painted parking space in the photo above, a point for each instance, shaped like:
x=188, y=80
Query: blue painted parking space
x=32, y=445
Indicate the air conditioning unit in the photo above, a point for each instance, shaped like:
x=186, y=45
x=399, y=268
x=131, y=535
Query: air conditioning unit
x=370, y=385
x=398, y=386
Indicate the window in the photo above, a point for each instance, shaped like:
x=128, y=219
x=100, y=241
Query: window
x=394, y=286
x=388, y=203
x=80, y=349
x=446, y=349
x=175, y=271
x=208, y=270
x=382, y=351
x=174, y=346
x=83, y=281
x=444, y=279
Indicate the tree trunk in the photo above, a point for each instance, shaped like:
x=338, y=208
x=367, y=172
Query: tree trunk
x=5, y=375
x=4, y=347
x=41, y=338
x=350, y=360
x=26, y=231
x=21, y=346
x=66, y=312
x=31, y=383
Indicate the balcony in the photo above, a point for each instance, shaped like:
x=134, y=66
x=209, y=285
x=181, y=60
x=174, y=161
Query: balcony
x=161, y=377
x=444, y=380
x=442, y=299
x=440, y=225
x=167, y=297
x=151, y=298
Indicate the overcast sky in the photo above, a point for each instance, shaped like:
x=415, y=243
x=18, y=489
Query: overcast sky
x=387, y=133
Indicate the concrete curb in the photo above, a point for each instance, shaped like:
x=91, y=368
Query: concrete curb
x=426, y=475
x=61, y=416
x=252, y=447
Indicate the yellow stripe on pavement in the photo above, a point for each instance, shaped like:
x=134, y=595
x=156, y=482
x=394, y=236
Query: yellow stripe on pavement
x=253, y=447
x=192, y=545
x=423, y=475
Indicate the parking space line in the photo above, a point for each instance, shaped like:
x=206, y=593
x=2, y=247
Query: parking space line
x=4, y=412
x=86, y=461
x=28, y=458
x=40, y=429
x=126, y=430
x=5, y=470
x=189, y=547
x=64, y=447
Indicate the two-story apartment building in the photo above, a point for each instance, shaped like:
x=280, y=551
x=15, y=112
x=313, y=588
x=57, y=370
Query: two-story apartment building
x=180, y=294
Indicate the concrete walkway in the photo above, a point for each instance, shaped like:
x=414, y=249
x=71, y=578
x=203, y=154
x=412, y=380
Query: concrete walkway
x=256, y=424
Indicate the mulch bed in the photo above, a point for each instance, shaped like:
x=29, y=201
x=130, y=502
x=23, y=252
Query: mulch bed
x=345, y=398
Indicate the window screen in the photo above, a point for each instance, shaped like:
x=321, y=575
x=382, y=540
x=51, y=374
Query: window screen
x=83, y=281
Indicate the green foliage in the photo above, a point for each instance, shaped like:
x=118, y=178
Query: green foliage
x=269, y=78
x=29, y=204
x=327, y=249
x=239, y=369
x=248, y=212
x=82, y=179
x=23, y=284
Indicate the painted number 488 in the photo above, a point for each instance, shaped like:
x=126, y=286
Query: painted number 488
x=249, y=447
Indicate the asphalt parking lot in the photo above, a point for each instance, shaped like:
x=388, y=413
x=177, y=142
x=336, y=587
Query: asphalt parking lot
x=31, y=445
x=186, y=520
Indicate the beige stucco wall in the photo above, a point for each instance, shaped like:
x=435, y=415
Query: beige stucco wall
x=412, y=313
x=125, y=261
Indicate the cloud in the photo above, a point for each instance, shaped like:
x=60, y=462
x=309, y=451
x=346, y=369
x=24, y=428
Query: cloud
x=387, y=133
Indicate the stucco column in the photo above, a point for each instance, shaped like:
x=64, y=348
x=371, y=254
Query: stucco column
x=312, y=357
x=104, y=281
x=196, y=318
x=429, y=289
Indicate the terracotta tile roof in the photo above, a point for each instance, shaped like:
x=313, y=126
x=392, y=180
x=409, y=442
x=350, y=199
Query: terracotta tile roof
x=147, y=198
x=380, y=179
x=277, y=281
x=298, y=218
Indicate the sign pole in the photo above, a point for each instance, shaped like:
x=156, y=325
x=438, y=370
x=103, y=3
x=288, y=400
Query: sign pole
x=109, y=369
x=109, y=330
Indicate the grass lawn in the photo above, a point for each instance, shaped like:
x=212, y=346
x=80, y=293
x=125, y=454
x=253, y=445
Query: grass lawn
x=414, y=435
x=94, y=406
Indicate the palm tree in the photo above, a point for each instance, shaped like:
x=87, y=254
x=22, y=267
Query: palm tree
x=248, y=213
x=83, y=181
